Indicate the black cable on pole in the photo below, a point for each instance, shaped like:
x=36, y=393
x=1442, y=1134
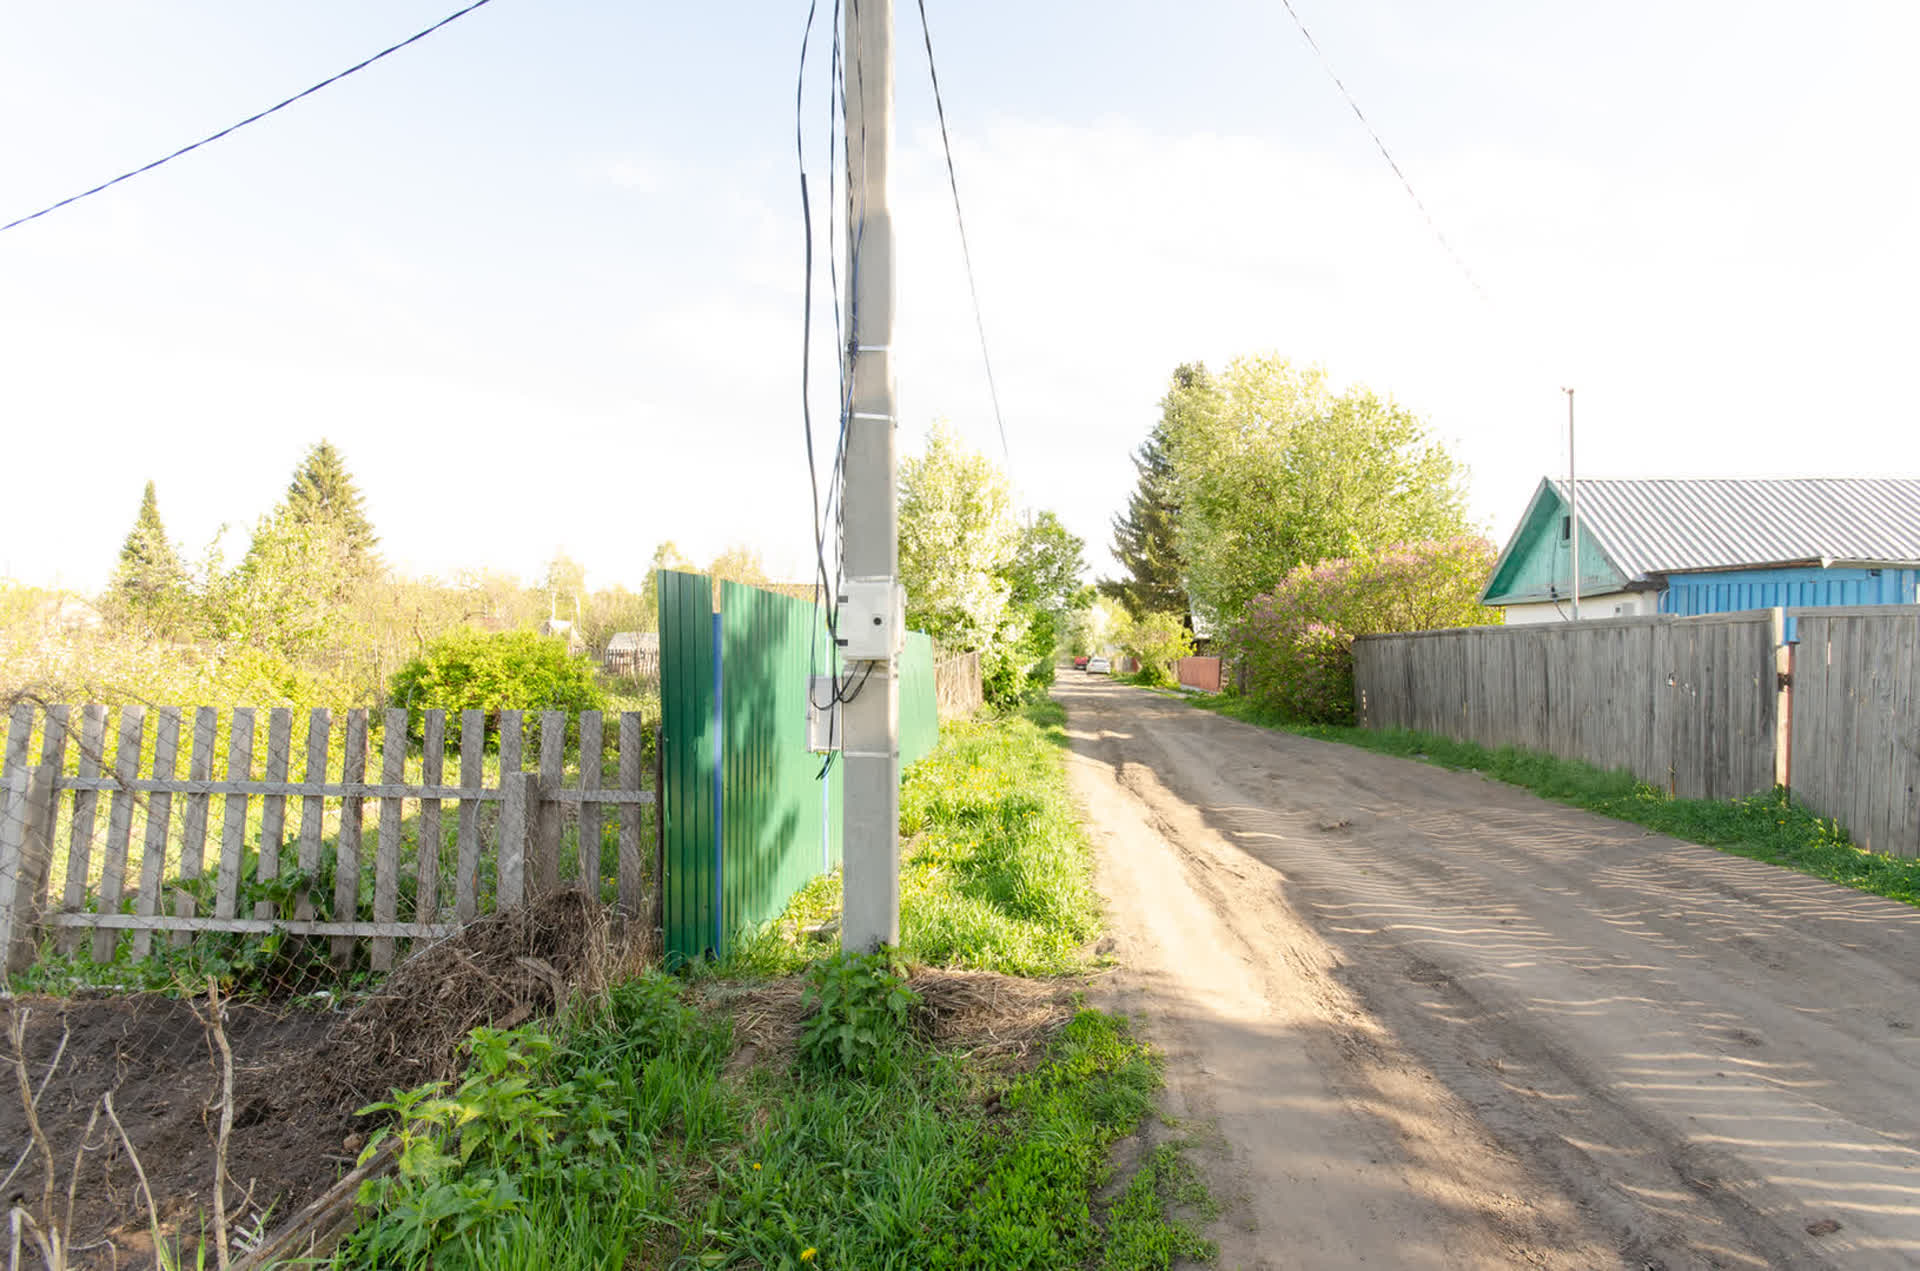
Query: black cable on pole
x=822, y=581
x=966, y=253
x=806, y=294
x=334, y=79
x=1405, y=184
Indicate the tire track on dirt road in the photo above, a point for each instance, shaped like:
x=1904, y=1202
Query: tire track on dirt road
x=1439, y=1022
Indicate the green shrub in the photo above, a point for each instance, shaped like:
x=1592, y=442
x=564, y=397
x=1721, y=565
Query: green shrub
x=860, y=1017
x=1003, y=681
x=1158, y=640
x=474, y=670
x=1296, y=641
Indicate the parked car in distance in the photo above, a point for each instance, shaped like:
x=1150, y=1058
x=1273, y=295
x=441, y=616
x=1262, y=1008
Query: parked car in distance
x=1080, y=662
x=1099, y=666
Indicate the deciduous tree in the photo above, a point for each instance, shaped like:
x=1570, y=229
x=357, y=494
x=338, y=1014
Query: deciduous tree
x=565, y=581
x=1273, y=469
x=958, y=541
x=958, y=545
x=666, y=556
x=1158, y=640
x=738, y=564
x=1296, y=641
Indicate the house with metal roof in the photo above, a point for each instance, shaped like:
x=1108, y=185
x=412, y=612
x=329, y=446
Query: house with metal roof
x=1711, y=546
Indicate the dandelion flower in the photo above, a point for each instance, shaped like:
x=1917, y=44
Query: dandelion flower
x=756, y=1165
x=806, y=1254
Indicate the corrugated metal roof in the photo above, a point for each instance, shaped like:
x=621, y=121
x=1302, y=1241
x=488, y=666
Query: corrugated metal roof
x=1669, y=526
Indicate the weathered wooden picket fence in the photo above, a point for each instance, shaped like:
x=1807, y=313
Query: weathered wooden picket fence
x=1855, y=707
x=1688, y=704
x=147, y=874
x=1715, y=706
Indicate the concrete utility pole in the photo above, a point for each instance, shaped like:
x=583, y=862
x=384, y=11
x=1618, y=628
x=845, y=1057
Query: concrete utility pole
x=1573, y=496
x=870, y=619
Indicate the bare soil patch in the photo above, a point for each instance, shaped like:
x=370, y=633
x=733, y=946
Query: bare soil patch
x=154, y=1053
x=298, y=1077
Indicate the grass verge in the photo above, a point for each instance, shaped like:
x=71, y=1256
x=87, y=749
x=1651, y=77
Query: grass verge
x=1767, y=827
x=994, y=868
x=621, y=1139
x=635, y=1134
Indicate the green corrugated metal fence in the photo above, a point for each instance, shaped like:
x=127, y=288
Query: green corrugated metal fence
x=778, y=828
x=686, y=761
x=734, y=755
x=919, y=711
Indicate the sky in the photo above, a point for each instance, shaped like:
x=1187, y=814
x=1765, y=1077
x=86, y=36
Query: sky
x=539, y=276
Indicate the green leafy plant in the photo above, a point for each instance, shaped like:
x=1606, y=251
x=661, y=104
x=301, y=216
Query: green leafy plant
x=475, y=670
x=1296, y=641
x=457, y=1154
x=1158, y=640
x=1142, y=1231
x=861, y=1003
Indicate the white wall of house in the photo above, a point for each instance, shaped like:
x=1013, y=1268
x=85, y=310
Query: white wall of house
x=1619, y=604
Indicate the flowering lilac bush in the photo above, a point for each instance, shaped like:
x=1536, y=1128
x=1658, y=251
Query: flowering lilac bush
x=1296, y=641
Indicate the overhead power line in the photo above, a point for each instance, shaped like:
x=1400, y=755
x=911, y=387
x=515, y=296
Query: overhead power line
x=251, y=119
x=1386, y=154
x=966, y=253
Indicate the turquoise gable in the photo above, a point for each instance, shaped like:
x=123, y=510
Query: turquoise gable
x=1537, y=563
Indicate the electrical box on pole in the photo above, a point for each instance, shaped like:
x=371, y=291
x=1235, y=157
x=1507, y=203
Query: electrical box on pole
x=873, y=621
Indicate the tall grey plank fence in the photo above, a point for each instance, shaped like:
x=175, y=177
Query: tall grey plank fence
x=1856, y=722
x=1691, y=705
x=1716, y=706
x=103, y=840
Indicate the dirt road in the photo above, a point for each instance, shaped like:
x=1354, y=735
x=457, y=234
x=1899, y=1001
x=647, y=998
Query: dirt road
x=1440, y=1023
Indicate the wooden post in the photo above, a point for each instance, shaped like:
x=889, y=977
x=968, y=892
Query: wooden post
x=592, y=757
x=427, y=840
x=153, y=850
x=511, y=884
x=93, y=749
x=346, y=866
x=386, y=859
x=19, y=736
x=657, y=902
x=273, y=812
x=233, y=819
x=632, y=869
x=26, y=847
x=544, y=811
x=543, y=836
x=113, y=866
x=53, y=751
x=313, y=808
x=1782, y=699
x=473, y=746
x=193, y=825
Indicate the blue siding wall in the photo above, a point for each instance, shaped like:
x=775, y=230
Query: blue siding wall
x=1803, y=587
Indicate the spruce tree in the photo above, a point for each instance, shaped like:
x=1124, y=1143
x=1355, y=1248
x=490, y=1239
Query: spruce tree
x=323, y=495
x=149, y=568
x=1143, y=538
